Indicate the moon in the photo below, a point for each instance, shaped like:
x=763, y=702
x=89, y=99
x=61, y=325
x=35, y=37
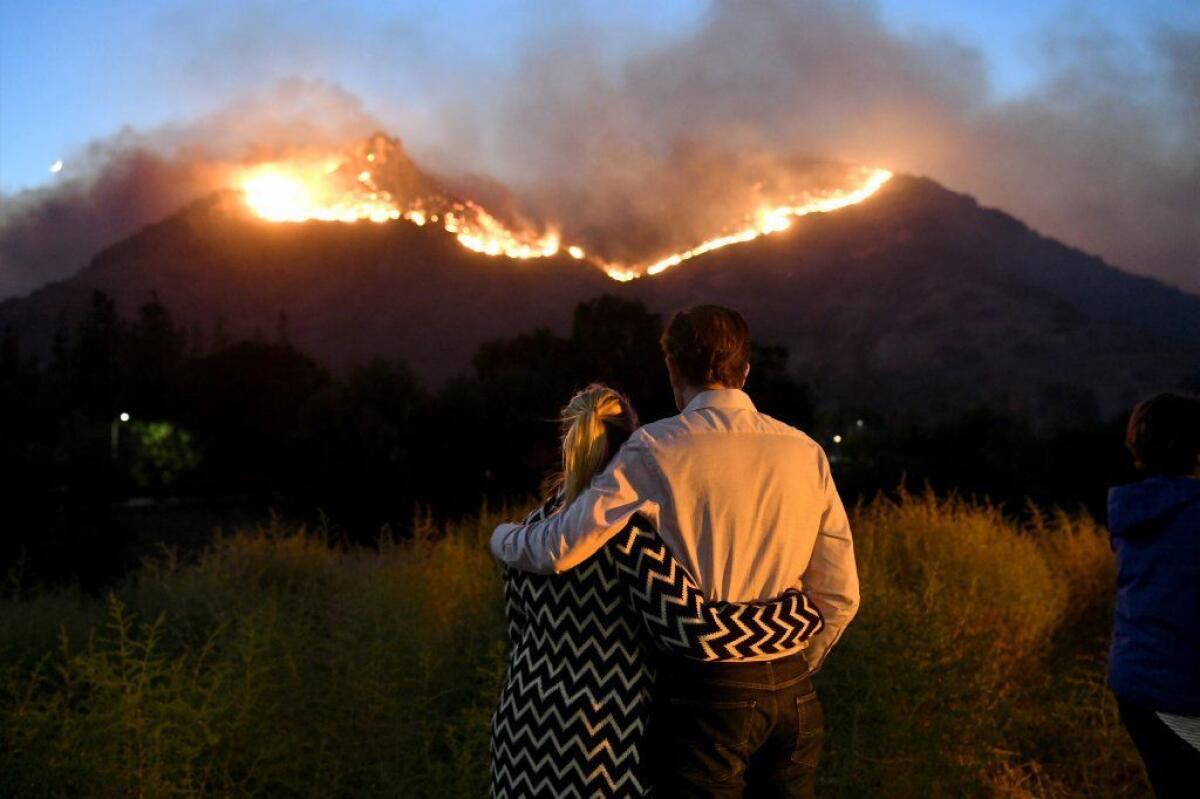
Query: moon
x=56, y=167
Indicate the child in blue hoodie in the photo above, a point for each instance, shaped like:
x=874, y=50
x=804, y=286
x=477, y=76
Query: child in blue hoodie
x=1154, y=663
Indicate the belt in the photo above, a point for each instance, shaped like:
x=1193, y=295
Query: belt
x=765, y=674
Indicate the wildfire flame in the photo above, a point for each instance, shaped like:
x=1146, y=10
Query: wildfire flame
x=774, y=220
x=320, y=189
x=299, y=191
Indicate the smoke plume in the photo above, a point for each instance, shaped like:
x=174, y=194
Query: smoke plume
x=134, y=178
x=659, y=141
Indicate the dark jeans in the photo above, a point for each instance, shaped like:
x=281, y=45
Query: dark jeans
x=1173, y=765
x=728, y=729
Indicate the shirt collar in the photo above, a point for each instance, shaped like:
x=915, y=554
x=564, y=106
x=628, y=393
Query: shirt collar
x=733, y=399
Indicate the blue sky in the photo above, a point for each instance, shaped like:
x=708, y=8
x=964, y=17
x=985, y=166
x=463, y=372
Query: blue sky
x=76, y=70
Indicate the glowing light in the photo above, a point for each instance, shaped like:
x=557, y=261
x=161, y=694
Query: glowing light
x=774, y=220
x=302, y=191
x=56, y=167
x=837, y=439
x=299, y=191
x=622, y=274
x=277, y=197
x=481, y=232
x=329, y=190
x=124, y=417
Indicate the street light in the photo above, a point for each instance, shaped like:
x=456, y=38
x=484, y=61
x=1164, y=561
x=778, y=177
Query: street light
x=115, y=433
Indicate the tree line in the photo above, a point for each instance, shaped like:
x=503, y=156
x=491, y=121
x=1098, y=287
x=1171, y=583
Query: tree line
x=144, y=410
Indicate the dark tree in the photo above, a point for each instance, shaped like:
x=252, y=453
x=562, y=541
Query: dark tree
x=153, y=360
x=499, y=427
x=94, y=375
x=776, y=392
x=244, y=403
x=362, y=448
x=10, y=354
x=616, y=342
x=537, y=353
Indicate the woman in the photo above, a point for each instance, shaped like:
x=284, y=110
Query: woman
x=1154, y=663
x=574, y=711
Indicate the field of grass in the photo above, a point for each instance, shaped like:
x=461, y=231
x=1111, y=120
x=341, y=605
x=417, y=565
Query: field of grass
x=278, y=665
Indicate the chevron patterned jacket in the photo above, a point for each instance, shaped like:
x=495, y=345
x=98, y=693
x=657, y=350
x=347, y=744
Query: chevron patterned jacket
x=573, y=714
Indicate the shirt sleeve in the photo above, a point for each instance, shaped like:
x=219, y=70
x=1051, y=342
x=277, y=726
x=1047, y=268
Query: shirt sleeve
x=566, y=539
x=831, y=580
x=681, y=621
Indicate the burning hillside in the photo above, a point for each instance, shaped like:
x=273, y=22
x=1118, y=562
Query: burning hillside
x=918, y=298
x=374, y=181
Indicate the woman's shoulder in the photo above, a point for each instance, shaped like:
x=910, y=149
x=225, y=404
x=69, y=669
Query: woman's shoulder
x=548, y=508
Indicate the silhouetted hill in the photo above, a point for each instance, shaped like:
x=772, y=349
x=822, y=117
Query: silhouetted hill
x=917, y=299
x=920, y=298
x=350, y=291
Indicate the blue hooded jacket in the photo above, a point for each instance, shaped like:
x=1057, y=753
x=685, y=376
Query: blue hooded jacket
x=1154, y=662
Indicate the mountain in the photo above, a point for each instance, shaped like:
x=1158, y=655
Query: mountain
x=916, y=299
x=919, y=298
x=350, y=291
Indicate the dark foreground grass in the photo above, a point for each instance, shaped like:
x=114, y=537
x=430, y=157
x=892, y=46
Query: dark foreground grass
x=280, y=666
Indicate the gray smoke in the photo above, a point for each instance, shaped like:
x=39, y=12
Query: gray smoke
x=1103, y=153
x=646, y=145
x=122, y=183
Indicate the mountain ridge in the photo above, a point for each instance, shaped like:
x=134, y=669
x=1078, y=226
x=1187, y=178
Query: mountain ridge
x=918, y=298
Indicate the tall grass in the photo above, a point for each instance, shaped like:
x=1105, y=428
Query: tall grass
x=278, y=665
x=976, y=664
x=274, y=666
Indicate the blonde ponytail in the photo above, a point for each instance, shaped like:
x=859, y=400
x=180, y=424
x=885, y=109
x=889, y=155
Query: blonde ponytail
x=587, y=445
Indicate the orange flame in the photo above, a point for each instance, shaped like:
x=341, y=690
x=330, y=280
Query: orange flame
x=299, y=191
x=764, y=222
x=480, y=231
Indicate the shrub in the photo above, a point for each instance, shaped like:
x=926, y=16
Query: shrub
x=274, y=665
x=278, y=664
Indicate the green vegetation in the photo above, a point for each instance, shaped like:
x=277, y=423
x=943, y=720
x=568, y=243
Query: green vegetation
x=278, y=665
x=977, y=663
x=163, y=453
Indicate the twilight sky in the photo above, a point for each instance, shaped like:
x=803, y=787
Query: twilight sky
x=73, y=72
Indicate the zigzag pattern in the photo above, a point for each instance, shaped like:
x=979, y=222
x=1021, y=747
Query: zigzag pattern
x=573, y=714
x=683, y=622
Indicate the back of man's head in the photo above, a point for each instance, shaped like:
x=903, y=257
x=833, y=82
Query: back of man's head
x=1164, y=435
x=709, y=346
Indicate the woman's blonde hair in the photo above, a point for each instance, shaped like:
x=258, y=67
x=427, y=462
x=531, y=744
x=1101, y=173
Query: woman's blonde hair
x=595, y=423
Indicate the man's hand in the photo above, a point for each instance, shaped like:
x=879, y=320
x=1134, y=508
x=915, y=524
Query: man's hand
x=566, y=539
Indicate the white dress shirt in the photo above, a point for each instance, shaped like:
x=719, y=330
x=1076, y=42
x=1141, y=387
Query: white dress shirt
x=745, y=502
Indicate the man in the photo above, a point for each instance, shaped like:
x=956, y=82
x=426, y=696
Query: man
x=748, y=504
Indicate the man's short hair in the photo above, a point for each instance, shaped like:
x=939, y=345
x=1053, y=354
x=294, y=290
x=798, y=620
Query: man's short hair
x=1164, y=434
x=709, y=344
